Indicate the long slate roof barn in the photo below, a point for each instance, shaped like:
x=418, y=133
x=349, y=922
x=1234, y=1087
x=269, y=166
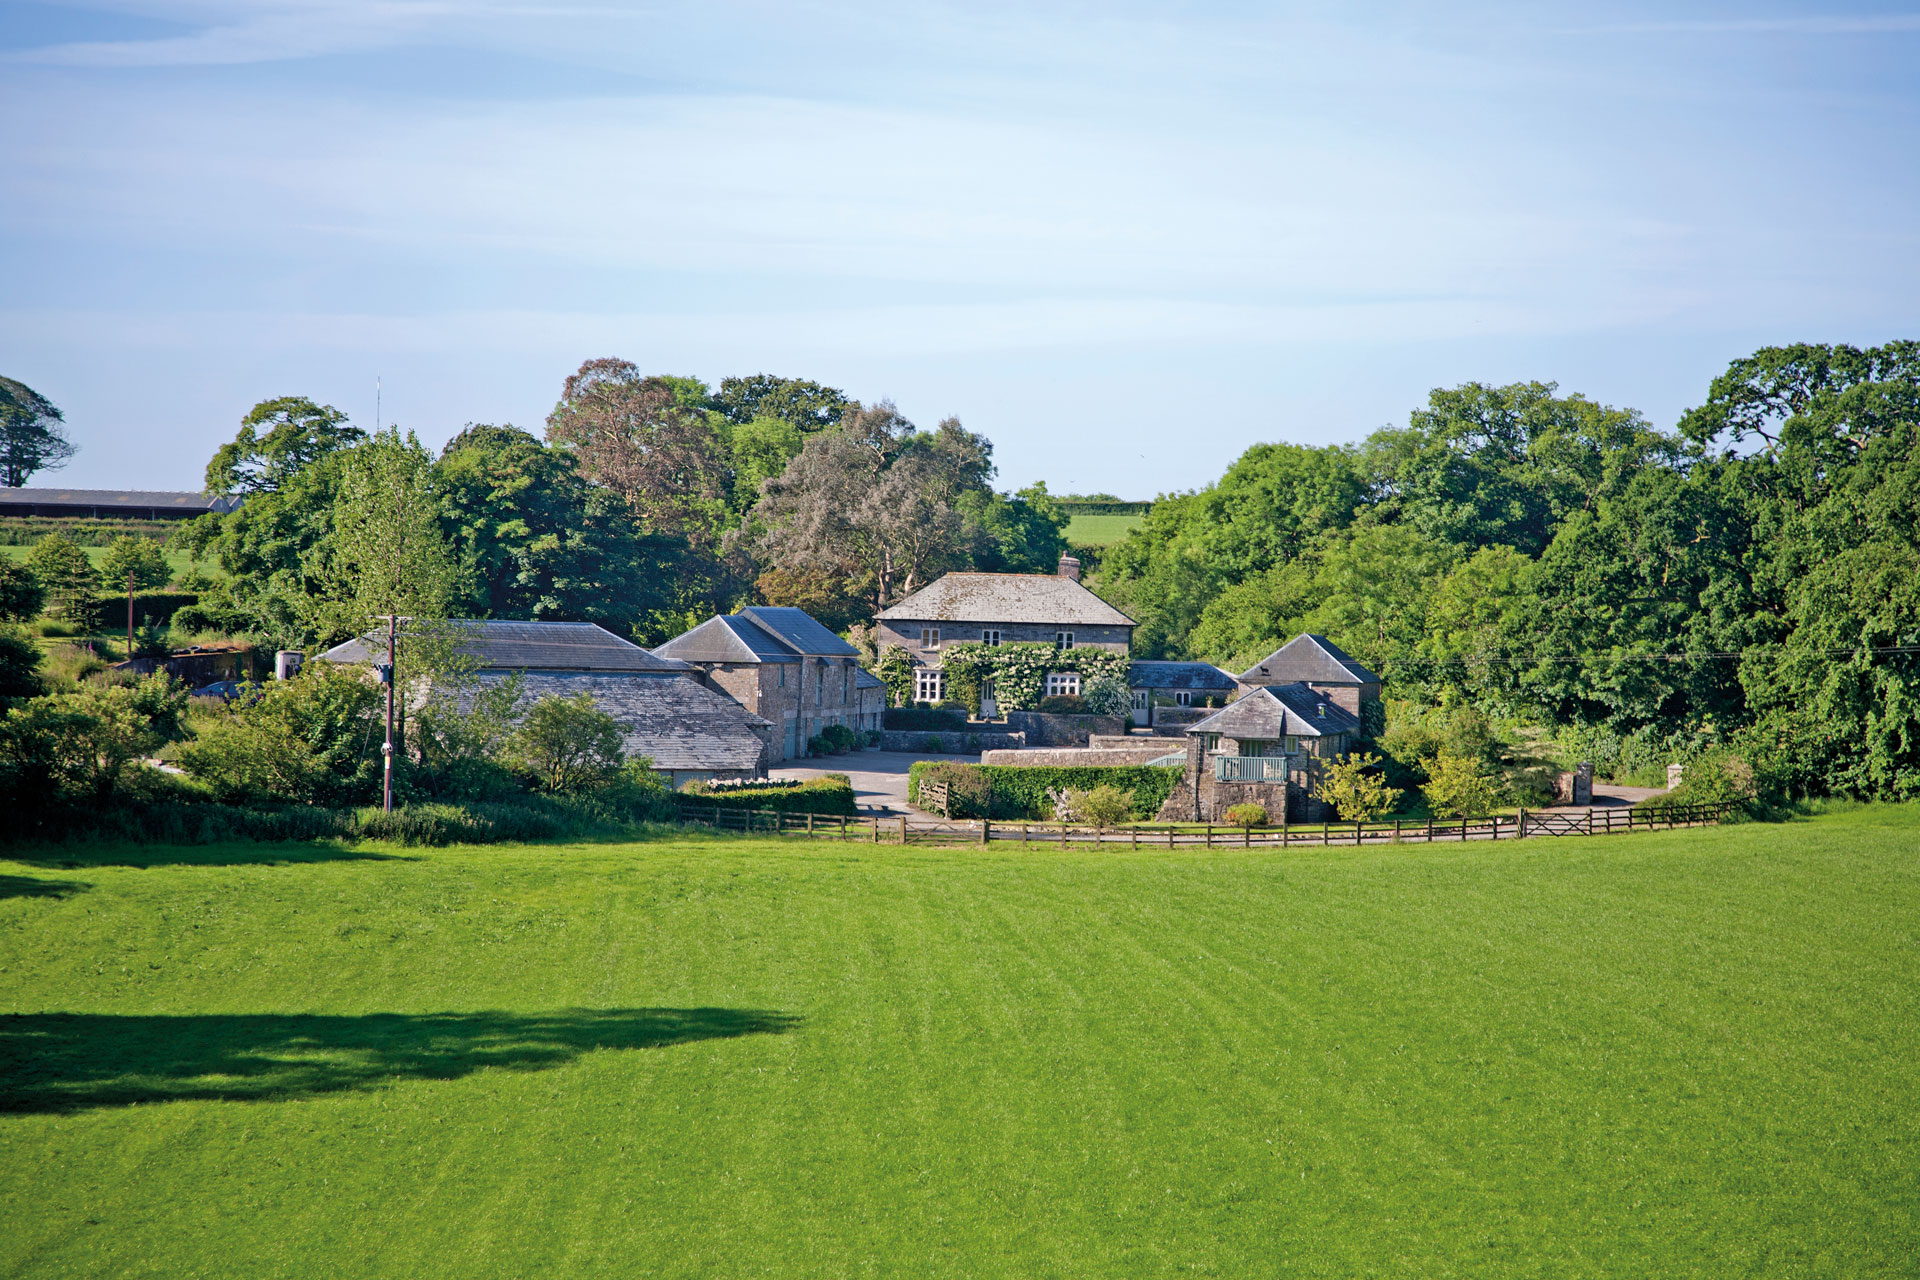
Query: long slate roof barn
x=664, y=713
x=1043, y=598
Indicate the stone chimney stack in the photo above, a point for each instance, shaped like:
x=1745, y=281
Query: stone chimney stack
x=1070, y=568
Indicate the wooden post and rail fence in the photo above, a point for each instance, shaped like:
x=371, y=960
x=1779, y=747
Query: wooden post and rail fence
x=872, y=828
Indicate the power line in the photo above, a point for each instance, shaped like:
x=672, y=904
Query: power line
x=1700, y=656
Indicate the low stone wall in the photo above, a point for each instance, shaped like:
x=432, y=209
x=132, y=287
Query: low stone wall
x=1075, y=757
x=1044, y=729
x=950, y=741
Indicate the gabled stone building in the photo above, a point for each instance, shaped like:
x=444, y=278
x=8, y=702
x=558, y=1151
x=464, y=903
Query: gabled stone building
x=1269, y=747
x=783, y=665
x=665, y=713
x=1001, y=608
x=1322, y=666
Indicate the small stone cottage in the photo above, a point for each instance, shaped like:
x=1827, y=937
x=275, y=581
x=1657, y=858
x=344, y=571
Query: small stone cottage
x=1268, y=748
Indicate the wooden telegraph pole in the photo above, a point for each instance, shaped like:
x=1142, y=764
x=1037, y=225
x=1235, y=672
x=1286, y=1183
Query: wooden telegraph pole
x=129, y=615
x=390, y=678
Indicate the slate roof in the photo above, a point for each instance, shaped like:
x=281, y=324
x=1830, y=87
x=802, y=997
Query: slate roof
x=530, y=646
x=727, y=638
x=865, y=679
x=1007, y=597
x=170, y=500
x=1271, y=712
x=676, y=721
x=1311, y=659
x=1148, y=674
x=800, y=630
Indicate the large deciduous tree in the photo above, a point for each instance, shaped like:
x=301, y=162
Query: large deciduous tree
x=874, y=509
x=639, y=438
x=278, y=439
x=32, y=435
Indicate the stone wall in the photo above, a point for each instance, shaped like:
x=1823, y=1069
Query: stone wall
x=952, y=741
x=1046, y=729
x=1200, y=797
x=1074, y=757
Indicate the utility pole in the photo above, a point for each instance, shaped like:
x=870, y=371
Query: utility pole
x=390, y=678
x=129, y=615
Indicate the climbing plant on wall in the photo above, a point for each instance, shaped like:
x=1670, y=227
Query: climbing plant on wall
x=895, y=670
x=1019, y=672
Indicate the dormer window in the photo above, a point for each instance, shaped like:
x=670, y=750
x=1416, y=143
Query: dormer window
x=929, y=637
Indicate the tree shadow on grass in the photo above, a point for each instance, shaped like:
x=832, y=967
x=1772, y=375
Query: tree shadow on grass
x=34, y=887
x=65, y=1062
x=238, y=853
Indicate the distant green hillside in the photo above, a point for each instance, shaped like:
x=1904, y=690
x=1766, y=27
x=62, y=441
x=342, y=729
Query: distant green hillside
x=1099, y=531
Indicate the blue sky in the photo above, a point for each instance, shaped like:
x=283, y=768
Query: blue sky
x=1125, y=241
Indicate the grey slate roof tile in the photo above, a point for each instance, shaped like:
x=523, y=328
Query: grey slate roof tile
x=1154, y=674
x=1007, y=597
x=800, y=630
x=728, y=638
x=1309, y=658
x=1271, y=712
x=673, y=719
x=529, y=646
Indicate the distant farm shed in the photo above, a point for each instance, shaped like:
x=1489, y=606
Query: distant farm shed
x=118, y=504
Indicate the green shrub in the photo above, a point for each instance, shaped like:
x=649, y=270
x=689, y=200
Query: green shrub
x=1461, y=787
x=1715, y=778
x=314, y=739
x=922, y=717
x=832, y=740
x=1016, y=791
x=1104, y=806
x=830, y=794
x=935, y=744
x=1356, y=788
x=1064, y=704
x=1247, y=815
x=565, y=746
x=21, y=595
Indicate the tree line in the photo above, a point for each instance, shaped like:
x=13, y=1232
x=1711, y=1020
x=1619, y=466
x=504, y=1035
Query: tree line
x=1749, y=579
x=648, y=503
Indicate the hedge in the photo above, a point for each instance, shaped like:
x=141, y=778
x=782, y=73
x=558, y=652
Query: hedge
x=941, y=719
x=191, y=823
x=831, y=793
x=1019, y=791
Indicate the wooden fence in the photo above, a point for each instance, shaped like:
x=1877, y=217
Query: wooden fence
x=895, y=829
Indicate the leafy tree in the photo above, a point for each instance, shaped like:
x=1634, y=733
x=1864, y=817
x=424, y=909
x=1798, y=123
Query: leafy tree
x=134, y=564
x=1355, y=787
x=76, y=746
x=566, y=744
x=1023, y=532
x=875, y=508
x=806, y=406
x=537, y=541
x=278, y=439
x=21, y=594
x=636, y=436
x=60, y=566
x=32, y=435
x=385, y=552
x=1461, y=787
x=20, y=662
x=314, y=739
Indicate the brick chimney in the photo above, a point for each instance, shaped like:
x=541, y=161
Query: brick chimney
x=1070, y=568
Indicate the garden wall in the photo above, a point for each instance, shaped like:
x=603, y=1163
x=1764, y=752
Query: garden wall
x=951, y=742
x=1047, y=729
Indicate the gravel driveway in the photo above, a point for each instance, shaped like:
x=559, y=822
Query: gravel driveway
x=879, y=777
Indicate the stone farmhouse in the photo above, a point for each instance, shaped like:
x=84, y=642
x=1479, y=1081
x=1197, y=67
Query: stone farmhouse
x=785, y=667
x=996, y=609
x=665, y=713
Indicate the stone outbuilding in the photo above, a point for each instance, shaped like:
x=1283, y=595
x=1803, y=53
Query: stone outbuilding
x=1165, y=691
x=783, y=665
x=1322, y=666
x=1270, y=747
x=665, y=714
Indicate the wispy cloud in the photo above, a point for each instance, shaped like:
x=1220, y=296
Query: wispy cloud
x=1810, y=25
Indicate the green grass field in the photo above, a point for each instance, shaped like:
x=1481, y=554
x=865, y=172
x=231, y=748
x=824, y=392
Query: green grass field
x=1100, y=531
x=1687, y=1054
x=177, y=558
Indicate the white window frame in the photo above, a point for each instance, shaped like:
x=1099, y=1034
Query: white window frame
x=1183, y=697
x=990, y=637
x=929, y=685
x=1063, y=639
x=1063, y=684
x=929, y=637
